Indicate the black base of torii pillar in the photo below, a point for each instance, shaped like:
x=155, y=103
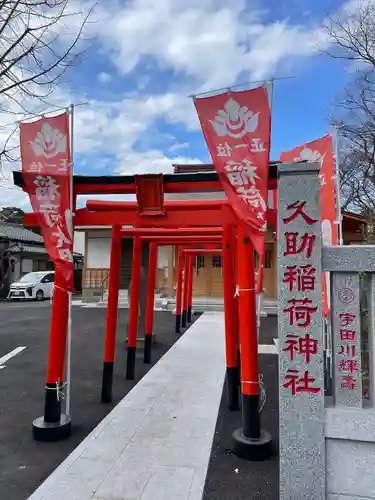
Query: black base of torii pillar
x=52, y=431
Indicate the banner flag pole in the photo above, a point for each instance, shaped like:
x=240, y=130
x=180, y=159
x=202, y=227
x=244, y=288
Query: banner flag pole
x=69, y=333
x=337, y=183
x=260, y=295
x=243, y=84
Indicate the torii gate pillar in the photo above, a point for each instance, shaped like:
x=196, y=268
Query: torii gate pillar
x=249, y=442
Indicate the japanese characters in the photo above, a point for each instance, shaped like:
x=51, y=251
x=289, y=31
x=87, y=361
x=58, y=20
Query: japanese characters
x=347, y=343
x=299, y=279
x=348, y=365
x=236, y=127
x=46, y=170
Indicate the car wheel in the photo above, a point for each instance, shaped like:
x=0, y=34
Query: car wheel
x=39, y=295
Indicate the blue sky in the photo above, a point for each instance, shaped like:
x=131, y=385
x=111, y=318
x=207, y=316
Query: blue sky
x=144, y=58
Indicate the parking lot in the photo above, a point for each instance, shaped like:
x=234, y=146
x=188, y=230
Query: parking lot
x=24, y=464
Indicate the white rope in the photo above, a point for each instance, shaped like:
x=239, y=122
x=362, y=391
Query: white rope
x=262, y=395
x=238, y=290
x=59, y=390
x=60, y=288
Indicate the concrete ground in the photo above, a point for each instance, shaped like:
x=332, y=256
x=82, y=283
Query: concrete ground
x=24, y=464
x=163, y=437
x=155, y=445
x=228, y=477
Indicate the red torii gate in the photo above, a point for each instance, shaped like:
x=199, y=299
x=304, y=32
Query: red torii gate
x=248, y=441
x=135, y=284
x=210, y=248
x=190, y=254
x=187, y=242
x=245, y=437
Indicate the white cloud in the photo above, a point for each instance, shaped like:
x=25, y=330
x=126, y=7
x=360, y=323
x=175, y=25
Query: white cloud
x=152, y=162
x=205, y=44
x=212, y=41
x=178, y=146
x=12, y=196
x=107, y=128
x=9, y=135
x=104, y=77
x=114, y=127
x=143, y=81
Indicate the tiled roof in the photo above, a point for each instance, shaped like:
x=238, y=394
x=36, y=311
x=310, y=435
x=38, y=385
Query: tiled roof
x=27, y=249
x=193, y=168
x=182, y=168
x=16, y=232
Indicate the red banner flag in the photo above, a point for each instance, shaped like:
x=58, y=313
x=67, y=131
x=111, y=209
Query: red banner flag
x=321, y=151
x=45, y=155
x=236, y=126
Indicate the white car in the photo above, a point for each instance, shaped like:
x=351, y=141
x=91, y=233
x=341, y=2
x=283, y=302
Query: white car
x=33, y=286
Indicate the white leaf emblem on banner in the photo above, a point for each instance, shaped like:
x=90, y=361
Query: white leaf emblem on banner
x=49, y=142
x=310, y=156
x=234, y=120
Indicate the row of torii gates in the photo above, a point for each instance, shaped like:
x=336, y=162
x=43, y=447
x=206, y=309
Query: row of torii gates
x=196, y=227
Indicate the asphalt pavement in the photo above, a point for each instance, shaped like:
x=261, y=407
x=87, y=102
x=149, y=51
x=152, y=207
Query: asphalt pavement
x=24, y=463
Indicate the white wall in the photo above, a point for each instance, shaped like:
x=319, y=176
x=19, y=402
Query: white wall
x=163, y=255
x=16, y=275
x=195, y=196
x=98, y=249
x=26, y=266
x=79, y=242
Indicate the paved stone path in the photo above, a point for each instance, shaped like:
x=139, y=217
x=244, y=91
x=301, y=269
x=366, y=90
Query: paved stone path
x=156, y=444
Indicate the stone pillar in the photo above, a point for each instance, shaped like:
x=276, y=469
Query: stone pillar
x=347, y=340
x=371, y=337
x=301, y=371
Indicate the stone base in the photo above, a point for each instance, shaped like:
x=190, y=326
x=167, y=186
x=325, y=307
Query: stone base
x=52, y=431
x=91, y=295
x=252, y=449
